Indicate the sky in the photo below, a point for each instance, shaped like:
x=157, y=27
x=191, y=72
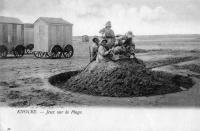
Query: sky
x=142, y=17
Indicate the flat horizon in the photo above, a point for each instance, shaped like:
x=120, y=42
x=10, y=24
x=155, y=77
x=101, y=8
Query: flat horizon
x=144, y=17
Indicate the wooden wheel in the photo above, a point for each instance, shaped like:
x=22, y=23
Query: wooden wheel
x=47, y=55
x=38, y=54
x=3, y=51
x=56, y=52
x=68, y=51
x=19, y=51
x=29, y=49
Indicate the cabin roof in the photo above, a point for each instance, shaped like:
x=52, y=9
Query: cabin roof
x=50, y=20
x=11, y=20
x=28, y=25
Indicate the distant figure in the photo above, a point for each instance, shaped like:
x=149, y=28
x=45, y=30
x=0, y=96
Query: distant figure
x=108, y=34
x=94, y=49
x=103, y=52
x=85, y=38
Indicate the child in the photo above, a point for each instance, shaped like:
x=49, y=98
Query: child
x=94, y=49
x=129, y=45
x=103, y=52
x=108, y=34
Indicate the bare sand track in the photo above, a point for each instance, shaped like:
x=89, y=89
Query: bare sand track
x=24, y=82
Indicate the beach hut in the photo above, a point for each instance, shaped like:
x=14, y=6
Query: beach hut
x=52, y=38
x=11, y=36
x=29, y=37
x=85, y=38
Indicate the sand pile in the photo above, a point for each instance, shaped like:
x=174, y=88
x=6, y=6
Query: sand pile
x=122, y=79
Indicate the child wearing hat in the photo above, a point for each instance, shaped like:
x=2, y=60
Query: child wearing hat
x=108, y=34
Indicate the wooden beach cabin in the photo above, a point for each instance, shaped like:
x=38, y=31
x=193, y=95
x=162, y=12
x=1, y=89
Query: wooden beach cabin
x=11, y=36
x=52, y=37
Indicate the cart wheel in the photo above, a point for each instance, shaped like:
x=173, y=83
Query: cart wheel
x=3, y=51
x=47, y=55
x=38, y=54
x=19, y=51
x=68, y=51
x=29, y=49
x=56, y=52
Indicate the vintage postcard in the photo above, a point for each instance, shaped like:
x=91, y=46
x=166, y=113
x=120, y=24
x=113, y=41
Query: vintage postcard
x=99, y=65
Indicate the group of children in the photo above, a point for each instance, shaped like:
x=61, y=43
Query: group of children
x=112, y=47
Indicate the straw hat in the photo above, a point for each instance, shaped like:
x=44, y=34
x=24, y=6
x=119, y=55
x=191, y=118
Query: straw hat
x=95, y=40
x=129, y=34
x=104, y=41
x=108, y=24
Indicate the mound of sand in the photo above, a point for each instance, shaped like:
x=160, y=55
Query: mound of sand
x=123, y=79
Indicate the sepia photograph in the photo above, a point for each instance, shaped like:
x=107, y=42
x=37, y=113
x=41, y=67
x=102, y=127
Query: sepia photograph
x=98, y=54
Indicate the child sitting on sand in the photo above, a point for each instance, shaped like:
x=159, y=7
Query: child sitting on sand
x=124, y=46
x=103, y=52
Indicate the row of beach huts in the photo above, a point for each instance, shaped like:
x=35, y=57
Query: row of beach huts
x=46, y=37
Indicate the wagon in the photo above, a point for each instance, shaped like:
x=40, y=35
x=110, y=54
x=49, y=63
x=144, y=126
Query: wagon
x=52, y=38
x=11, y=37
x=28, y=37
